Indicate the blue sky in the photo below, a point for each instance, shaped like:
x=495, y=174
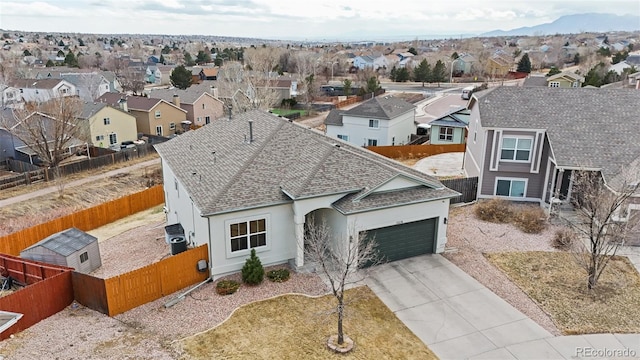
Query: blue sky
x=295, y=19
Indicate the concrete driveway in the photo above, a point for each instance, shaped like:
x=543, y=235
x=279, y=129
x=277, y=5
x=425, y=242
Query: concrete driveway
x=459, y=318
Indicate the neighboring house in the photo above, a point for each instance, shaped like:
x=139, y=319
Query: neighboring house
x=72, y=248
x=89, y=86
x=253, y=182
x=565, y=79
x=381, y=121
x=114, y=84
x=12, y=147
x=41, y=90
x=10, y=96
x=620, y=67
x=498, y=65
x=209, y=73
x=153, y=116
x=524, y=143
x=463, y=64
x=201, y=106
x=370, y=62
x=108, y=126
x=450, y=128
x=279, y=89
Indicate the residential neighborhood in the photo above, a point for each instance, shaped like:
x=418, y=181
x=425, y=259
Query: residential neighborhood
x=164, y=196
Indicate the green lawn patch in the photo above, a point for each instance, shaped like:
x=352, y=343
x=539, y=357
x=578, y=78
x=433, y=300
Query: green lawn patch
x=297, y=327
x=559, y=286
x=286, y=112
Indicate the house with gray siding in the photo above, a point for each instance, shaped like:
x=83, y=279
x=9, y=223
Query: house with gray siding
x=524, y=143
x=254, y=181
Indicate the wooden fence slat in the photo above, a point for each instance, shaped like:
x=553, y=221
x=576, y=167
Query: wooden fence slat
x=415, y=151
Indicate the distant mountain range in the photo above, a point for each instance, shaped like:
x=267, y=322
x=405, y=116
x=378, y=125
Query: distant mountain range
x=574, y=24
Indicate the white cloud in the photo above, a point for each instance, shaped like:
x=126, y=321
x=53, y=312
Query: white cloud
x=288, y=18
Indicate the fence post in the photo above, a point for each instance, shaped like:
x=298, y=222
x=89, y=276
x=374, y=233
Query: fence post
x=27, y=178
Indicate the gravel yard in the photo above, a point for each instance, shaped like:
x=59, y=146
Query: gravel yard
x=469, y=237
x=146, y=332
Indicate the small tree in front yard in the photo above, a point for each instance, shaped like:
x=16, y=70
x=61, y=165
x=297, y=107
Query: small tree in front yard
x=252, y=271
x=603, y=221
x=341, y=258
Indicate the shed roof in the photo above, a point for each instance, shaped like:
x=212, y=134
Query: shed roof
x=65, y=242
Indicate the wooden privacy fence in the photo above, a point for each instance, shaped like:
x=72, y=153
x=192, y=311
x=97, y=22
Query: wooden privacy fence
x=467, y=187
x=49, y=291
x=124, y=292
x=85, y=220
x=415, y=151
x=30, y=173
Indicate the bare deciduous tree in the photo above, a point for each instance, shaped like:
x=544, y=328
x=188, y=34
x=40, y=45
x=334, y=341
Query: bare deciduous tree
x=603, y=220
x=51, y=130
x=341, y=258
x=256, y=78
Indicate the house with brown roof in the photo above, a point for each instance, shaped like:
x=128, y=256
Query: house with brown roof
x=153, y=116
x=209, y=73
x=201, y=105
x=254, y=181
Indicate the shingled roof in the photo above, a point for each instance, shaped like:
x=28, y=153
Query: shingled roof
x=187, y=96
x=381, y=107
x=286, y=161
x=590, y=128
x=65, y=242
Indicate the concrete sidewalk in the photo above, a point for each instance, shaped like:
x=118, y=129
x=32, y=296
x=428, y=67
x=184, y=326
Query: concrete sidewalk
x=52, y=189
x=459, y=318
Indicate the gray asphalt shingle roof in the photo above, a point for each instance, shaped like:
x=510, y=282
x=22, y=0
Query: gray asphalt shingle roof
x=381, y=107
x=334, y=117
x=590, y=128
x=224, y=173
x=65, y=242
x=187, y=96
x=454, y=118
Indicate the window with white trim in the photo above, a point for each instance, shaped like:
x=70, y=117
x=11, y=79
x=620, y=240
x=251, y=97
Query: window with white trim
x=374, y=123
x=207, y=120
x=84, y=257
x=159, y=130
x=248, y=234
x=511, y=187
x=372, y=142
x=172, y=126
x=516, y=149
x=99, y=137
x=113, y=139
x=106, y=121
x=446, y=134
x=554, y=84
x=158, y=114
x=343, y=137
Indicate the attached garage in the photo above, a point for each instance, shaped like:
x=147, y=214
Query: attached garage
x=402, y=241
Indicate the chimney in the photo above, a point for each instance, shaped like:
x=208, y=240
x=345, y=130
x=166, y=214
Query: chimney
x=214, y=91
x=250, y=131
x=123, y=105
x=176, y=100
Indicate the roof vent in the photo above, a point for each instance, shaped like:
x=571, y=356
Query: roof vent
x=250, y=131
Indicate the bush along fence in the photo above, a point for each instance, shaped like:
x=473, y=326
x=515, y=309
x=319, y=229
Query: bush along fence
x=47, y=290
x=29, y=173
x=85, y=220
x=124, y=292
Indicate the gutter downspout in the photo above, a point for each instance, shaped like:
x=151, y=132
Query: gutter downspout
x=181, y=297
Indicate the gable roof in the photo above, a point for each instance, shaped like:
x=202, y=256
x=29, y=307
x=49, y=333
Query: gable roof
x=210, y=71
x=590, y=128
x=188, y=96
x=334, y=117
x=36, y=83
x=566, y=75
x=285, y=161
x=384, y=107
x=454, y=118
x=139, y=103
x=535, y=80
x=65, y=242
